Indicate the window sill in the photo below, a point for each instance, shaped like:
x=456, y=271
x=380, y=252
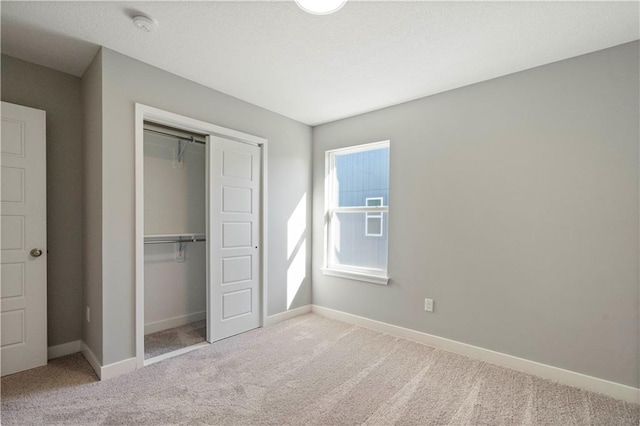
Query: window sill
x=359, y=276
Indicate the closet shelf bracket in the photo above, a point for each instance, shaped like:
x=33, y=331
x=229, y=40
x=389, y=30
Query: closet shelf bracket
x=180, y=251
x=182, y=146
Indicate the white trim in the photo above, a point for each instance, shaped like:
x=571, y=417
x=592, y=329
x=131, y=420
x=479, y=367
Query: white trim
x=106, y=372
x=93, y=360
x=64, y=349
x=192, y=125
x=360, y=148
x=207, y=195
x=142, y=113
x=358, y=276
x=165, y=324
x=175, y=353
x=283, y=316
x=264, y=249
x=119, y=368
x=571, y=378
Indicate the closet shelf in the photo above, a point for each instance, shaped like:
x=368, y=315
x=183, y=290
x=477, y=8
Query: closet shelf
x=174, y=238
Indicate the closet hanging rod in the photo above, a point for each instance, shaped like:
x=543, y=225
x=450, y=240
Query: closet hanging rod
x=176, y=240
x=176, y=136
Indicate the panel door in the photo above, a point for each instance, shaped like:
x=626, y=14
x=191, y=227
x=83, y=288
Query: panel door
x=23, y=234
x=234, y=238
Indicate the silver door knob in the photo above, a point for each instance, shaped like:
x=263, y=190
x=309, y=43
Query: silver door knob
x=36, y=252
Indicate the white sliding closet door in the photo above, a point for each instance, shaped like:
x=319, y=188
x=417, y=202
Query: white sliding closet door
x=234, y=237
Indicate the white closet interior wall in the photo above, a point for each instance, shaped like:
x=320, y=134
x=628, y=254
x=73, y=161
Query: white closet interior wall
x=174, y=203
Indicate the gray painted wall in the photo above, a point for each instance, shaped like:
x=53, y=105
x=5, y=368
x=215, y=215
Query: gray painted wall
x=57, y=93
x=126, y=81
x=513, y=204
x=92, y=219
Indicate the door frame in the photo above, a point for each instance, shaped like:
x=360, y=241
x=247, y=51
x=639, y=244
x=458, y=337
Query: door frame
x=147, y=113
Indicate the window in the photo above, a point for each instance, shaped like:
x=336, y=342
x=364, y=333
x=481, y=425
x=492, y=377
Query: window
x=357, y=207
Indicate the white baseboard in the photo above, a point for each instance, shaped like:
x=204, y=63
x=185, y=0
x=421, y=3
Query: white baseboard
x=154, y=327
x=93, y=359
x=283, y=316
x=119, y=368
x=567, y=377
x=109, y=371
x=64, y=349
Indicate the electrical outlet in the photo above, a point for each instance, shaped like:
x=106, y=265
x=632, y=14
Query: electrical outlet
x=88, y=314
x=428, y=305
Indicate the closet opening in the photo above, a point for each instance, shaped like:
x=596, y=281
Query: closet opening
x=175, y=271
x=200, y=215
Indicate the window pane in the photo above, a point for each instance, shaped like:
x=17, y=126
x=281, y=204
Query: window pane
x=374, y=225
x=362, y=175
x=374, y=202
x=351, y=245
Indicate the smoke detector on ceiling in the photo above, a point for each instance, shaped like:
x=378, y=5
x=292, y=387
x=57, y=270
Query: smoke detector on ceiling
x=320, y=7
x=145, y=23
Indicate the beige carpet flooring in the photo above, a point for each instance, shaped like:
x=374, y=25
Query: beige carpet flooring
x=308, y=370
x=173, y=339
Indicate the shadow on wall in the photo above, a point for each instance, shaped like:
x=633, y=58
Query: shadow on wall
x=296, y=250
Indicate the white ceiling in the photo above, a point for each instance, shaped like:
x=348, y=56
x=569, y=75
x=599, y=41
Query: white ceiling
x=317, y=69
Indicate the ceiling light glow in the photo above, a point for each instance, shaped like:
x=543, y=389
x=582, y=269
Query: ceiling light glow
x=321, y=7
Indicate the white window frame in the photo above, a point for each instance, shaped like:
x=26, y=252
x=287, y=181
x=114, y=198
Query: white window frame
x=376, y=276
x=376, y=215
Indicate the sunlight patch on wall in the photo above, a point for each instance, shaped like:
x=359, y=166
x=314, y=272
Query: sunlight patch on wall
x=296, y=273
x=296, y=226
